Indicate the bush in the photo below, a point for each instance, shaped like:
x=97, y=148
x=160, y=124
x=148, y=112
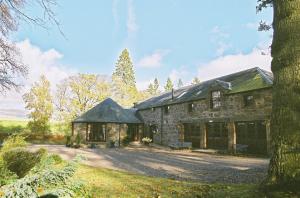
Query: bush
x=6, y=176
x=12, y=142
x=110, y=144
x=78, y=141
x=146, y=140
x=21, y=161
x=40, y=126
x=69, y=142
x=126, y=141
x=51, y=181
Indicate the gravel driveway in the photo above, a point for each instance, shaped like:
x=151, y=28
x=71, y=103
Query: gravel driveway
x=180, y=165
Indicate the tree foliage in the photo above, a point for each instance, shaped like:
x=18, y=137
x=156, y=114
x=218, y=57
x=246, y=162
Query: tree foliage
x=196, y=80
x=180, y=83
x=79, y=93
x=153, y=88
x=39, y=102
x=124, y=89
x=169, y=85
x=124, y=69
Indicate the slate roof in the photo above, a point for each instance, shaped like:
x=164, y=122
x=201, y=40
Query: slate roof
x=247, y=80
x=108, y=111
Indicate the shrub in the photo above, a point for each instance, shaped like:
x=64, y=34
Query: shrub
x=146, y=140
x=126, y=141
x=110, y=144
x=21, y=161
x=56, y=158
x=69, y=142
x=47, y=182
x=39, y=126
x=6, y=176
x=12, y=142
x=78, y=141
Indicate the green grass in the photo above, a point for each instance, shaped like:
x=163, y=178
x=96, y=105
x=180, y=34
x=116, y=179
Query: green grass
x=111, y=183
x=13, y=126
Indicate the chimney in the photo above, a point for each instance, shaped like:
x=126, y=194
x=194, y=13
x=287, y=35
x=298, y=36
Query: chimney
x=172, y=93
x=134, y=104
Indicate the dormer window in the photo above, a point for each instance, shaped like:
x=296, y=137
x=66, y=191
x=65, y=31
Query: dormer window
x=191, y=107
x=153, y=109
x=216, y=99
x=166, y=109
x=248, y=100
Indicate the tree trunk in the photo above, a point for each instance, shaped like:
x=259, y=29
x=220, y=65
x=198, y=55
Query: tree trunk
x=284, y=165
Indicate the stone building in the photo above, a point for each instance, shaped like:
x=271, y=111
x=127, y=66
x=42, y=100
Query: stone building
x=228, y=113
x=108, y=122
x=231, y=112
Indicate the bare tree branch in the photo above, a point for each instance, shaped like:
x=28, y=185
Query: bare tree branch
x=11, y=12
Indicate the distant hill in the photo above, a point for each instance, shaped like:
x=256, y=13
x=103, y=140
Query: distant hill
x=13, y=114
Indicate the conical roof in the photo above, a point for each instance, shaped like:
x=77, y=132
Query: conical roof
x=108, y=111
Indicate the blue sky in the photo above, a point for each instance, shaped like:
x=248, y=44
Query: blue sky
x=166, y=38
x=184, y=33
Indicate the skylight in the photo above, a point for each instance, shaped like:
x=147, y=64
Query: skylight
x=181, y=94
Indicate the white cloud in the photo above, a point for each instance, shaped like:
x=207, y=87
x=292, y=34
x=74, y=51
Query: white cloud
x=39, y=63
x=131, y=19
x=218, y=38
x=233, y=63
x=143, y=85
x=153, y=60
x=180, y=73
x=115, y=12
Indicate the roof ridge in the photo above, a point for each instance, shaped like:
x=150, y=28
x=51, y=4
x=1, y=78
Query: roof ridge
x=195, y=85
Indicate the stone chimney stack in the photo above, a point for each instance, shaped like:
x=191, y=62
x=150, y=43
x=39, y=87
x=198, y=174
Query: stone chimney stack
x=172, y=93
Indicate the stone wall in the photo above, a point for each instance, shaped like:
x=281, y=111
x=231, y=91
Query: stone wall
x=233, y=109
x=112, y=131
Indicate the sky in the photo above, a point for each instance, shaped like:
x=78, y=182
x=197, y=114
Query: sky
x=169, y=38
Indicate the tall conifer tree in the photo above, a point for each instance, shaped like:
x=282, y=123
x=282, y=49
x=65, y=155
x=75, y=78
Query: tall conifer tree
x=124, y=69
x=169, y=85
x=180, y=83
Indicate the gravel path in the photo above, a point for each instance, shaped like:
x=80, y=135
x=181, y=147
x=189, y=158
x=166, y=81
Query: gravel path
x=181, y=165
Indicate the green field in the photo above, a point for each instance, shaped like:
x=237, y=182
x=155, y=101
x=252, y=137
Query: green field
x=16, y=126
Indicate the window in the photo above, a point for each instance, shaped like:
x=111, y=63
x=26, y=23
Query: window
x=153, y=109
x=166, y=109
x=216, y=99
x=191, y=107
x=248, y=100
x=97, y=133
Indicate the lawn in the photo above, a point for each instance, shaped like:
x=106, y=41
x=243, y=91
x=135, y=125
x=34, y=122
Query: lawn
x=111, y=183
x=13, y=126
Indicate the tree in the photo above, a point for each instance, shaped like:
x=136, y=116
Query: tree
x=39, y=101
x=180, y=83
x=77, y=94
x=284, y=168
x=169, y=85
x=124, y=69
x=156, y=86
x=12, y=11
x=195, y=81
x=151, y=90
x=124, y=85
